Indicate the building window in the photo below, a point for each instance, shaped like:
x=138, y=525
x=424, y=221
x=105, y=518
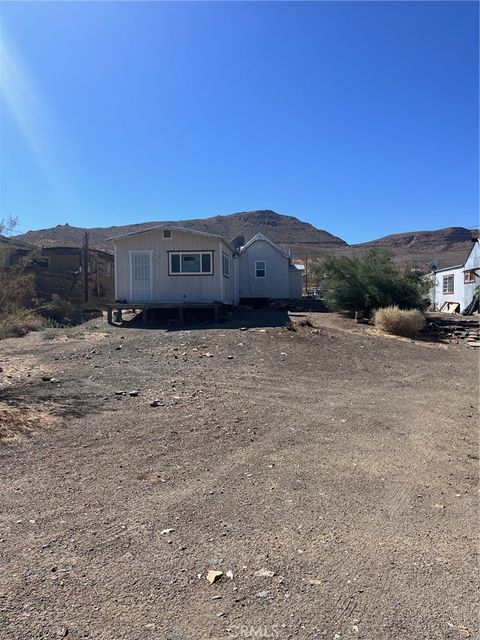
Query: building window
x=226, y=265
x=108, y=269
x=469, y=277
x=260, y=268
x=39, y=262
x=167, y=234
x=448, y=284
x=191, y=263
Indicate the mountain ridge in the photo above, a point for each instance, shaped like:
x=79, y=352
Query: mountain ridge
x=415, y=248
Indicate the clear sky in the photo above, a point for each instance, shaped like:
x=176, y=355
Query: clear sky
x=359, y=117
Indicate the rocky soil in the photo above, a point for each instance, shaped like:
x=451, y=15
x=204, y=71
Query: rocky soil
x=327, y=476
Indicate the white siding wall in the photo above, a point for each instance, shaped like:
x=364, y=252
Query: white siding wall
x=276, y=281
x=462, y=293
x=174, y=288
x=296, y=284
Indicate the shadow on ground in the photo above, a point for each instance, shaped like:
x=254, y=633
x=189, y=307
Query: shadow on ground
x=201, y=319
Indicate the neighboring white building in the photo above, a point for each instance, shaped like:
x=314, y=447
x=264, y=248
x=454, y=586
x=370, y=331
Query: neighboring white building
x=453, y=287
x=175, y=265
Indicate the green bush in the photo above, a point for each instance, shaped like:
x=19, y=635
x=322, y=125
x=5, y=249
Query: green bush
x=400, y=322
x=369, y=282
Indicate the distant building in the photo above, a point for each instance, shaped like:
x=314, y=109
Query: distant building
x=59, y=270
x=452, y=288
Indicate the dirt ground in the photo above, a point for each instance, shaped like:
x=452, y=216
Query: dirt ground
x=342, y=461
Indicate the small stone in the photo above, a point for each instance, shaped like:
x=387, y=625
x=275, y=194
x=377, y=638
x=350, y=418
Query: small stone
x=214, y=576
x=118, y=348
x=46, y=378
x=166, y=531
x=264, y=573
x=54, y=380
x=134, y=393
x=229, y=574
x=120, y=393
x=229, y=357
x=262, y=594
x=150, y=625
x=63, y=632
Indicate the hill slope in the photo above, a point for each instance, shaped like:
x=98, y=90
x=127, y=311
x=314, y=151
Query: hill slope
x=448, y=246
x=282, y=229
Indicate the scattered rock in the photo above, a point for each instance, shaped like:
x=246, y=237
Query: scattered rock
x=229, y=357
x=229, y=574
x=120, y=393
x=208, y=355
x=134, y=393
x=63, y=632
x=164, y=532
x=214, y=576
x=262, y=594
x=154, y=403
x=314, y=582
x=264, y=573
x=439, y=506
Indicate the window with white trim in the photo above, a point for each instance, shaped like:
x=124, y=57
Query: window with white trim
x=226, y=265
x=469, y=276
x=448, y=283
x=190, y=263
x=260, y=268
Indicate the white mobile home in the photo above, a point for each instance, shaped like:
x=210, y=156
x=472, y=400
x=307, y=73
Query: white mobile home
x=174, y=265
x=453, y=288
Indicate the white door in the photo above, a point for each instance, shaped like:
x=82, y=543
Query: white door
x=141, y=276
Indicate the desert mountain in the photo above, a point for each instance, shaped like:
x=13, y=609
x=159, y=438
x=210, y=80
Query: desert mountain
x=447, y=246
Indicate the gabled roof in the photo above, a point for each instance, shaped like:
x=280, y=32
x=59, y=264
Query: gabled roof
x=260, y=236
x=159, y=227
x=459, y=266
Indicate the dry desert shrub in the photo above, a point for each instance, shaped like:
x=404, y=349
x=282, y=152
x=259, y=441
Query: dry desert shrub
x=18, y=324
x=400, y=322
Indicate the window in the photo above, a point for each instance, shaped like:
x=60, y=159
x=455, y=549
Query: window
x=39, y=262
x=469, y=276
x=108, y=269
x=448, y=283
x=260, y=268
x=226, y=265
x=167, y=234
x=191, y=263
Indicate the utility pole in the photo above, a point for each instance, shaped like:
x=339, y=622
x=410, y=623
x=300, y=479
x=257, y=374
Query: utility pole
x=85, y=266
x=306, y=274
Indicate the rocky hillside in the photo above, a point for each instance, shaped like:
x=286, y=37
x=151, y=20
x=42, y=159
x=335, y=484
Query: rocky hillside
x=447, y=246
x=285, y=230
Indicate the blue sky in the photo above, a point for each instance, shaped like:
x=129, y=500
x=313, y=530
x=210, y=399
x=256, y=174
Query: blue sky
x=359, y=117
